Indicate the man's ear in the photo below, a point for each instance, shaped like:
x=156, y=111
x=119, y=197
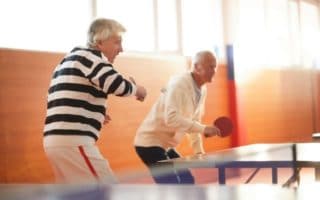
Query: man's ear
x=99, y=43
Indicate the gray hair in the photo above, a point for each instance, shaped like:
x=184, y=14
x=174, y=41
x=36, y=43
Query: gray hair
x=101, y=29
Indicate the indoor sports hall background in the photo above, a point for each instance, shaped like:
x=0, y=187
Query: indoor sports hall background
x=268, y=79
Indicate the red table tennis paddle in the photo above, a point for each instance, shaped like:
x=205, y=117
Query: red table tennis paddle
x=225, y=125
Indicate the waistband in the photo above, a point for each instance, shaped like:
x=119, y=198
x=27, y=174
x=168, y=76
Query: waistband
x=67, y=140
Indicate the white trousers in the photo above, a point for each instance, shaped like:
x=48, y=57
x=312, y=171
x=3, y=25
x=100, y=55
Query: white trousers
x=79, y=164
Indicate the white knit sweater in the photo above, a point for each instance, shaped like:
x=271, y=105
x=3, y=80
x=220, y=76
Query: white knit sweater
x=175, y=113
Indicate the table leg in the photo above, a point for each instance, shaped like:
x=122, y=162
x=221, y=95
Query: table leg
x=274, y=175
x=222, y=175
x=317, y=173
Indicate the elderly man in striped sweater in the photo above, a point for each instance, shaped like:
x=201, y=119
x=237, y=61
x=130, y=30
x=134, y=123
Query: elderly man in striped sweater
x=76, y=107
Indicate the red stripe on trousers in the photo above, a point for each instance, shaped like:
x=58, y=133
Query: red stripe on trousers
x=86, y=159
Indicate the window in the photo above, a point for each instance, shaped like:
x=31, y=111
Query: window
x=310, y=32
x=137, y=17
x=294, y=29
x=167, y=25
x=201, y=25
x=277, y=33
x=265, y=33
x=278, y=43
x=49, y=25
x=250, y=34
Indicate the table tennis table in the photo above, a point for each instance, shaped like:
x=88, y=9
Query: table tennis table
x=274, y=156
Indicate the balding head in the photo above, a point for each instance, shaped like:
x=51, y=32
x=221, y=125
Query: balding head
x=202, y=56
x=203, y=67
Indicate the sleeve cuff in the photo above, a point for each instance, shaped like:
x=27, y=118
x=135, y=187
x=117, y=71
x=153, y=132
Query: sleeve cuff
x=197, y=127
x=134, y=89
x=199, y=150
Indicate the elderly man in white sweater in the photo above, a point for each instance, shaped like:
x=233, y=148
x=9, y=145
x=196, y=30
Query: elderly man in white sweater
x=177, y=111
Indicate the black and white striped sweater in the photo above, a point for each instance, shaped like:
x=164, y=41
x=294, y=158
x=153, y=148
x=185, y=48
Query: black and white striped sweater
x=78, y=92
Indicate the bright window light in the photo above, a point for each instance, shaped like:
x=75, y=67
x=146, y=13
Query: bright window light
x=251, y=33
x=167, y=25
x=277, y=27
x=310, y=33
x=201, y=25
x=136, y=16
x=295, y=50
x=49, y=25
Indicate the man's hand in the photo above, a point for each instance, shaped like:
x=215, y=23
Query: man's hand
x=210, y=131
x=141, y=93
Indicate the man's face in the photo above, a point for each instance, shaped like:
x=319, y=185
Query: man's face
x=206, y=68
x=111, y=47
